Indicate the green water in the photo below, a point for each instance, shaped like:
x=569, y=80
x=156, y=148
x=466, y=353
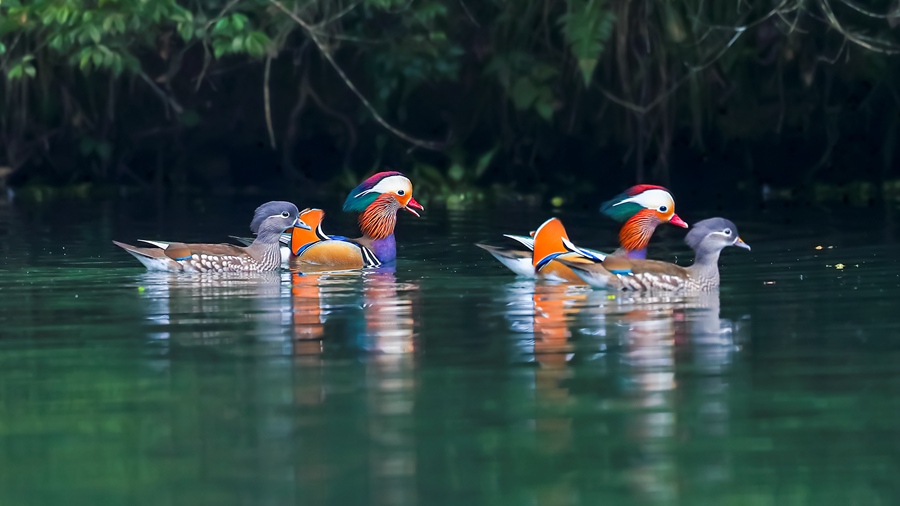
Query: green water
x=447, y=381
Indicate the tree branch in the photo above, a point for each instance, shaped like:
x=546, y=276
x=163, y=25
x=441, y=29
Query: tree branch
x=268, y=102
x=437, y=146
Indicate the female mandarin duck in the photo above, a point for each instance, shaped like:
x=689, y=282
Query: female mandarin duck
x=269, y=221
x=708, y=238
x=313, y=232
x=642, y=208
x=377, y=199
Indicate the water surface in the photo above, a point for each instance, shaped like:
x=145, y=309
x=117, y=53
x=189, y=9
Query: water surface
x=444, y=380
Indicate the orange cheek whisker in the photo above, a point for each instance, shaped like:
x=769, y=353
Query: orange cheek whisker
x=636, y=232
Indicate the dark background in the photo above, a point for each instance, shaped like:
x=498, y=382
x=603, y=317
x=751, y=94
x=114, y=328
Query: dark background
x=490, y=99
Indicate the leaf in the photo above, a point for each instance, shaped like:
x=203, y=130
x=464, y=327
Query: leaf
x=239, y=21
x=523, y=93
x=545, y=109
x=108, y=58
x=49, y=16
x=94, y=33
x=186, y=30
x=56, y=43
x=15, y=72
x=237, y=43
x=484, y=161
x=219, y=48
x=543, y=72
x=587, y=25
x=222, y=25
x=30, y=71
x=257, y=43
x=117, y=64
x=85, y=58
x=673, y=24
x=456, y=172
x=544, y=103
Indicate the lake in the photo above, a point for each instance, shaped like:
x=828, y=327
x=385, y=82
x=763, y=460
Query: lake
x=445, y=380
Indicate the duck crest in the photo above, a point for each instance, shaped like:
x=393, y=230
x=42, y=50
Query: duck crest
x=360, y=198
x=621, y=211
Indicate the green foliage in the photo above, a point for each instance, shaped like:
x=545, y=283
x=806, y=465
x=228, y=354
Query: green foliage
x=527, y=82
x=232, y=34
x=587, y=26
x=510, y=84
x=22, y=68
x=101, y=35
x=417, y=50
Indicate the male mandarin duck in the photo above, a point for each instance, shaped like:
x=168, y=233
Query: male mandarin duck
x=642, y=208
x=377, y=199
x=708, y=238
x=270, y=220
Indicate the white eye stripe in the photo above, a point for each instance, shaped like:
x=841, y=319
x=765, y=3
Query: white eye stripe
x=390, y=184
x=652, y=199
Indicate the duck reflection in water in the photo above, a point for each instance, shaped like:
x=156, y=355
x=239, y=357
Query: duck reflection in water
x=218, y=309
x=369, y=314
x=386, y=324
x=245, y=311
x=385, y=334
x=643, y=339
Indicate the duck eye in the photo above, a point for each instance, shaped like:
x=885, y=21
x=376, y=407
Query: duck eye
x=663, y=209
x=727, y=231
x=401, y=193
x=285, y=214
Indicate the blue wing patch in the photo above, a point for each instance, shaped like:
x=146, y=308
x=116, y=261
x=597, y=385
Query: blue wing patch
x=547, y=259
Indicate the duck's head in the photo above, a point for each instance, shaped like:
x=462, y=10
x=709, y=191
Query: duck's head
x=642, y=208
x=653, y=202
x=275, y=217
x=713, y=235
x=392, y=185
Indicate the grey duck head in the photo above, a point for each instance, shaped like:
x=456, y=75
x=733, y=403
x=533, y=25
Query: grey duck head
x=275, y=217
x=712, y=235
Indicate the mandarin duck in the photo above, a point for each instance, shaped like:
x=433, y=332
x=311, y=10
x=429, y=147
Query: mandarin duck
x=377, y=199
x=270, y=220
x=311, y=217
x=641, y=208
x=708, y=238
